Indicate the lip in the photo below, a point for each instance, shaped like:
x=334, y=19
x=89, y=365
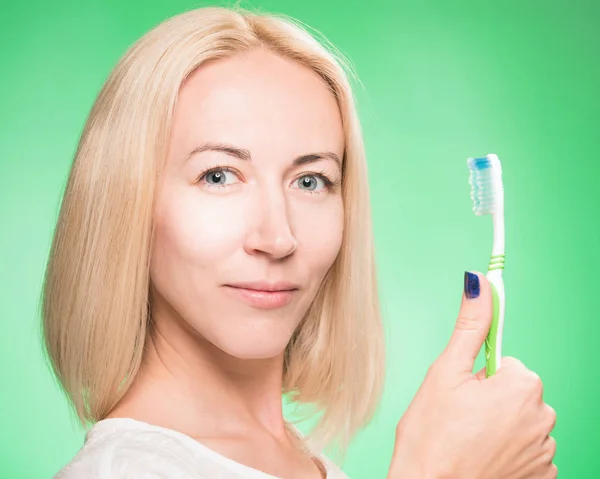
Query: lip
x=263, y=295
x=265, y=286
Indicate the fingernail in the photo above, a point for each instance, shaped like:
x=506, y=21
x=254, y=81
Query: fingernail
x=471, y=285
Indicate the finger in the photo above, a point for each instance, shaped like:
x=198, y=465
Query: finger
x=480, y=375
x=472, y=325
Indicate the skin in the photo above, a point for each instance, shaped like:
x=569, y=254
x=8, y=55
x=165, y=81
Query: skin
x=213, y=365
x=462, y=425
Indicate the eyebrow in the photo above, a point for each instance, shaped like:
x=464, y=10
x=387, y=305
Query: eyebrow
x=245, y=155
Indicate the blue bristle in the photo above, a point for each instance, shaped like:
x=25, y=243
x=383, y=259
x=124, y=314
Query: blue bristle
x=486, y=184
x=482, y=163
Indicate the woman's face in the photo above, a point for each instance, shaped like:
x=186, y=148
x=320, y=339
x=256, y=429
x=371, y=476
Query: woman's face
x=250, y=201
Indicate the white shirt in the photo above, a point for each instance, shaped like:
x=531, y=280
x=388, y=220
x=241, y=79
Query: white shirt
x=121, y=448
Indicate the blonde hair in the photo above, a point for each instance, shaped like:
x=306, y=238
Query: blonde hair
x=95, y=304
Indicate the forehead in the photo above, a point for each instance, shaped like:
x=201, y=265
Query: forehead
x=258, y=101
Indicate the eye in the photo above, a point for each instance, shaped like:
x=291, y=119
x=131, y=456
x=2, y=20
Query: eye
x=218, y=177
x=313, y=182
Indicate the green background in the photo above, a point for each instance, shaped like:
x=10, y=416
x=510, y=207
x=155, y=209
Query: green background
x=442, y=81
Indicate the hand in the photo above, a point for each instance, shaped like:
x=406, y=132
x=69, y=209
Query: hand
x=462, y=425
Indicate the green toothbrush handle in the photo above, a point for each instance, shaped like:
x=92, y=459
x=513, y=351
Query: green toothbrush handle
x=491, y=341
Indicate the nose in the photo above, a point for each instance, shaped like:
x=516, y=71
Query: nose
x=270, y=232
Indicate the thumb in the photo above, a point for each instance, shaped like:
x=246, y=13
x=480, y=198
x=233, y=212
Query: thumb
x=472, y=325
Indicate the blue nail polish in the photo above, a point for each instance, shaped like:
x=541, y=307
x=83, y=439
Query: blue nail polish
x=471, y=285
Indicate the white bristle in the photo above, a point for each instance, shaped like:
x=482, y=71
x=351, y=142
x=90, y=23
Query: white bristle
x=487, y=191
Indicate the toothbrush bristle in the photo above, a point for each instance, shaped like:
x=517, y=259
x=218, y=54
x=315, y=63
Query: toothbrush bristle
x=487, y=191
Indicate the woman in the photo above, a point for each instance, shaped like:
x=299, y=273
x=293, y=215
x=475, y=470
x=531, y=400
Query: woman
x=214, y=251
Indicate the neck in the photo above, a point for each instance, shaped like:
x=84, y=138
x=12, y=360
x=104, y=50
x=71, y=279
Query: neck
x=188, y=384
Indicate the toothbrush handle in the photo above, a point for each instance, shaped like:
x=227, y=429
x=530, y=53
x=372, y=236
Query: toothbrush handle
x=493, y=341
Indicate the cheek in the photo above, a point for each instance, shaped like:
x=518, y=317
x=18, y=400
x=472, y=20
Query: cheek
x=200, y=232
x=194, y=238
x=319, y=230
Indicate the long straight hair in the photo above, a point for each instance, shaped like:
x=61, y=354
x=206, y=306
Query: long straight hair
x=95, y=301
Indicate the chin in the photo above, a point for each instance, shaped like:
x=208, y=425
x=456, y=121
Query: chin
x=269, y=349
x=254, y=346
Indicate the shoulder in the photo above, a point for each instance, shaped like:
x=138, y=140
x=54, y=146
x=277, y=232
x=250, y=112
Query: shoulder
x=333, y=470
x=125, y=454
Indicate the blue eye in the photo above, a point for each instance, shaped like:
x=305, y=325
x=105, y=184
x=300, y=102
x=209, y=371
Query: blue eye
x=312, y=182
x=218, y=177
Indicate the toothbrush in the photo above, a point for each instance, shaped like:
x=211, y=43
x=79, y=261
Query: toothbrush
x=487, y=193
